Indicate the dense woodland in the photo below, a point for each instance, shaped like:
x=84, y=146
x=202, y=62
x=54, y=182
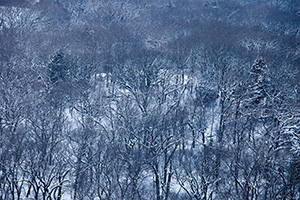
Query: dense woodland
x=150, y=100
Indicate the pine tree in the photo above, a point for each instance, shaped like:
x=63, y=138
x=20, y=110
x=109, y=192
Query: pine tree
x=61, y=79
x=258, y=82
x=58, y=68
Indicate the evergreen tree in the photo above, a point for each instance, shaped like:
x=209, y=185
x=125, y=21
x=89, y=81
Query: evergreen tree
x=59, y=68
x=258, y=80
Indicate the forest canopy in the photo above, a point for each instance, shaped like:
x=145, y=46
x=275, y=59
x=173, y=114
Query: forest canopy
x=139, y=99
